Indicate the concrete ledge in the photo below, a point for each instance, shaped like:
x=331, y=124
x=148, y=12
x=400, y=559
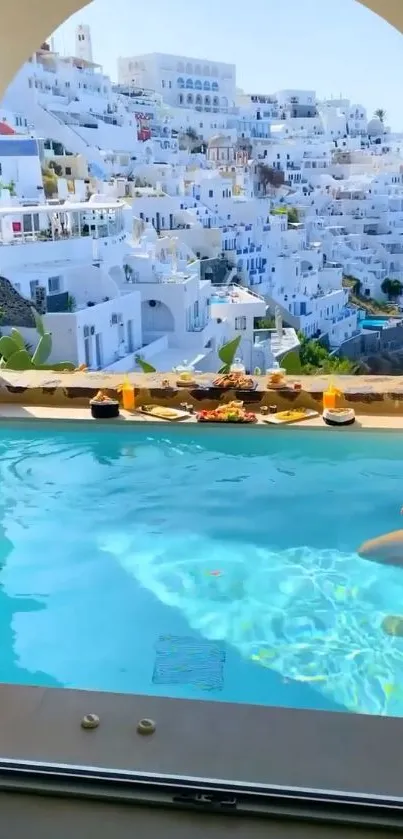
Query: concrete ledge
x=78, y=416
x=380, y=395
x=256, y=744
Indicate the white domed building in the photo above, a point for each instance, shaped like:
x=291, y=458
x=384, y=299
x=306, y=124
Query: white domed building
x=376, y=128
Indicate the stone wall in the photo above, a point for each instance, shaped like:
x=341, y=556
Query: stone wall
x=367, y=394
x=361, y=347
x=15, y=310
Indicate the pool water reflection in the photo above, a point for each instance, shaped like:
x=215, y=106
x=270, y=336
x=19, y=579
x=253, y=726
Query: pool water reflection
x=202, y=563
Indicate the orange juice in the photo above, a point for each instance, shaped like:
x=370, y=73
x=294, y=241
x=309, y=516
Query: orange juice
x=128, y=400
x=330, y=397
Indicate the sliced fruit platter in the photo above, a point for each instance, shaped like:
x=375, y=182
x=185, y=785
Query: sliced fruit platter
x=237, y=381
x=234, y=412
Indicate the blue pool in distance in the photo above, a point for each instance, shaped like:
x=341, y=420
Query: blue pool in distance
x=201, y=563
x=217, y=299
x=373, y=323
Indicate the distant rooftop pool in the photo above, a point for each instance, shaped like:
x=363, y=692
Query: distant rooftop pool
x=217, y=299
x=201, y=563
x=374, y=323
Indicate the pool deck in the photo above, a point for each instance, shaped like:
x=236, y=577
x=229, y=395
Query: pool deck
x=38, y=413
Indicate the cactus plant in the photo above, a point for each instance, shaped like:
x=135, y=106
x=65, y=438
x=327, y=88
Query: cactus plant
x=227, y=352
x=15, y=356
x=291, y=363
x=144, y=365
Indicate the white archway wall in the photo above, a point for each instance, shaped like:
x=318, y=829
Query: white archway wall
x=25, y=25
x=157, y=318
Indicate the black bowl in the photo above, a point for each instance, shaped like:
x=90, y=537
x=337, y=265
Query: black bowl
x=339, y=424
x=104, y=410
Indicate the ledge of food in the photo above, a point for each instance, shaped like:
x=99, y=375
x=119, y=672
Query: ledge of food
x=207, y=391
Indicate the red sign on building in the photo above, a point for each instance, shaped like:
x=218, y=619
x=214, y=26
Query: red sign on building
x=143, y=127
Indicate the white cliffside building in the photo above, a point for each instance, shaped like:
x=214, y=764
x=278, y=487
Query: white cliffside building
x=204, y=85
x=64, y=255
x=202, y=163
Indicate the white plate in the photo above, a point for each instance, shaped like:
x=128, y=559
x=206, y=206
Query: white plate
x=179, y=415
x=274, y=419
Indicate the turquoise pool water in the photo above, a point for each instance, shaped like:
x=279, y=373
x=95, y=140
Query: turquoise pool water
x=201, y=563
x=373, y=323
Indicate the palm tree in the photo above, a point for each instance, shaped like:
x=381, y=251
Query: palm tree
x=380, y=113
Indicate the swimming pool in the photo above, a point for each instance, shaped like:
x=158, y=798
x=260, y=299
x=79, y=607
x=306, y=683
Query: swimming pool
x=374, y=323
x=201, y=563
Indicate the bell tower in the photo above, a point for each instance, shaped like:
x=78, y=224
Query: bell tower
x=83, y=43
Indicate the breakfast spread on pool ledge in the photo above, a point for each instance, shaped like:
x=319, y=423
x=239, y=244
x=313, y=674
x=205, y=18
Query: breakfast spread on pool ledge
x=105, y=406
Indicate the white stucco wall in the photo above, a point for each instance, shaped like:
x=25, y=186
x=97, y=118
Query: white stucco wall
x=68, y=330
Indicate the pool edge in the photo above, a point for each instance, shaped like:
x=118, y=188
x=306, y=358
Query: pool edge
x=20, y=414
x=251, y=744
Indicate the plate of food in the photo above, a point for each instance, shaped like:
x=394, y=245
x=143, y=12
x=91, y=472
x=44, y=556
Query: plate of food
x=186, y=380
x=276, y=379
x=293, y=415
x=234, y=381
x=163, y=413
x=234, y=412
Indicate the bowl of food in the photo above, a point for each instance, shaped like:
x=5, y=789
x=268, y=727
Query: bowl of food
x=104, y=406
x=186, y=375
x=339, y=416
x=186, y=379
x=276, y=378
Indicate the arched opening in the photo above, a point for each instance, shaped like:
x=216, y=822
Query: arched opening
x=189, y=83
x=206, y=86
x=18, y=42
x=189, y=99
x=157, y=319
x=181, y=82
